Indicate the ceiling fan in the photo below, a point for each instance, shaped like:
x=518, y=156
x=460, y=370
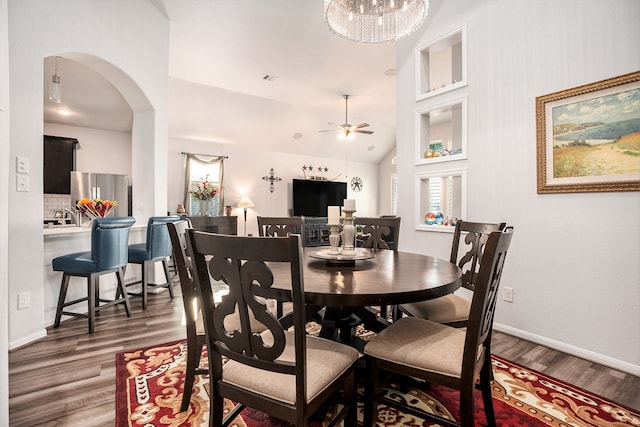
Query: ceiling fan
x=347, y=130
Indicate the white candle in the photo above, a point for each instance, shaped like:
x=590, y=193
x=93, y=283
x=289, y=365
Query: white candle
x=334, y=215
x=349, y=205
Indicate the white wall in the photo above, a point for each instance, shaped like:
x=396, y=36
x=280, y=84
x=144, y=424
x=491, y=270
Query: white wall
x=573, y=264
x=243, y=176
x=386, y=168
x=131, y=51
x=4, y=215
x=99, y=151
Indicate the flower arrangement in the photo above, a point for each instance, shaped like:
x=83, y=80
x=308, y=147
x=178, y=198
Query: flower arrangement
x=96, y=208
x=205, y=190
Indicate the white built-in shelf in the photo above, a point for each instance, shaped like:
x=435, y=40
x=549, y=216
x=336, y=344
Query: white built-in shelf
x=444, y=192
x=441, y=132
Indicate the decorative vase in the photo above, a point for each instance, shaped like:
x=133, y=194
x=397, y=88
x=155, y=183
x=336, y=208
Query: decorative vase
x=227, y=210
x=204, y=207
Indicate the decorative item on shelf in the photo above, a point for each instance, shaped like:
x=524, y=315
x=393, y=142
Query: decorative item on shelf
x=371, y=21
x=96, y=208
x=333, y=220
x=227, y=210
x=348, y=228
x=271, y=179
x=180, y=209
x=204, y=207
x=245, y=203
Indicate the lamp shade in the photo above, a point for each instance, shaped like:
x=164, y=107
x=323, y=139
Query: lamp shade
x=245, y=202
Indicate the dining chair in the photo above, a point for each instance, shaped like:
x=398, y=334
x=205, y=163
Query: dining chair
x=383, y=233
x=280, y=227
x=108, y=254
x=282, y=372
x=441, y=354
x=452, y=309
x=193, y=314
x=157, y=248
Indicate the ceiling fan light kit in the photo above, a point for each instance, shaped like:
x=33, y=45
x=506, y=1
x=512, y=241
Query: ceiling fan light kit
x=374, y=21
x=347, y=130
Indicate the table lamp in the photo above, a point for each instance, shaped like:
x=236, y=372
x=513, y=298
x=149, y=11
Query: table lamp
x=245, y=203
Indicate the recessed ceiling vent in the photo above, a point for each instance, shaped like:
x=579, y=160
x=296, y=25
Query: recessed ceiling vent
x=269, y=77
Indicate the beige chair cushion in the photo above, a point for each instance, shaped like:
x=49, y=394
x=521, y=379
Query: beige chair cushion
x=326, y=360
x=422, y=344
x=449, y=308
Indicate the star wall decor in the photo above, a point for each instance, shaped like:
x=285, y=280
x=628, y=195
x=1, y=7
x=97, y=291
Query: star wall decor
x=271, y=179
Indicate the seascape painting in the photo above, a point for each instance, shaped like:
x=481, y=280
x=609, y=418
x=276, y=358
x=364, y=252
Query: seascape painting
x=589, y=137
x=600, y=136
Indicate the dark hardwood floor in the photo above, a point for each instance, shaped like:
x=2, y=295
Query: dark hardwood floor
x=68, y=377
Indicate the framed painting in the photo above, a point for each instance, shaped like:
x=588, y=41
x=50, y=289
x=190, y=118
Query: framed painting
x=588, y=137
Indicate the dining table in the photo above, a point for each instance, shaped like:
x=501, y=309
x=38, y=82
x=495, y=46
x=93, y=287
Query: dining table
x=346, y=291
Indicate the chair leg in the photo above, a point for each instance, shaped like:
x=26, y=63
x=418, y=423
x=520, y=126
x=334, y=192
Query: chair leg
x=486, y=374
x=145, y=279
x=466, y=407
x=122, y=290
x=193, y=360
x=165, y=266
x=371, y=392
x=63, y=295
x=92, y=283
x=351, y=419
x=216, y=408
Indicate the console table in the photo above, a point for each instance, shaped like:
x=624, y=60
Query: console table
x=216, y=224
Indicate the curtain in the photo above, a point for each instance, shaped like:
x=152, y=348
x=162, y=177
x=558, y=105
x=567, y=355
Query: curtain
x=197, y=165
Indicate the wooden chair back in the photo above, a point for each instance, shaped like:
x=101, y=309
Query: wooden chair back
x=267, y=378
x=383, y=232
x=483, y=305
x=178, y=236
x=475, y=238
x=281, y=226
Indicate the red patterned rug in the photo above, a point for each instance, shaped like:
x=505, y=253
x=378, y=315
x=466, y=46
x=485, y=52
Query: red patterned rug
x=149, y=386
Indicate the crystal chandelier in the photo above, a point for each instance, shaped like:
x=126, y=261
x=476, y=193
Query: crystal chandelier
x=374, y=21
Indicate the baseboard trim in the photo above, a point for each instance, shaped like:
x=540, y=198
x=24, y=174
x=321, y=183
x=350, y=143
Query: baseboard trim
x=610, y=362
x=28, y=339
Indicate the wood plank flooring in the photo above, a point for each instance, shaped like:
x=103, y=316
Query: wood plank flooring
x=68, y=377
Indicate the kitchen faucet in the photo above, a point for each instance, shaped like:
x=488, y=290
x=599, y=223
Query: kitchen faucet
x=76, y=215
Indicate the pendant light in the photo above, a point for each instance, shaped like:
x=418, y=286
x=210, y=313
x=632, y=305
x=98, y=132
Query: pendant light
x=54, y=89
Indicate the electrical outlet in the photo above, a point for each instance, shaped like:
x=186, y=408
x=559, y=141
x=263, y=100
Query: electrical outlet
x=507, y=294
x=24, y=300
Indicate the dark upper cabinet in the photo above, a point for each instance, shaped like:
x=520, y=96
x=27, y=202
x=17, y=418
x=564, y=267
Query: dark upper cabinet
x=59, y=161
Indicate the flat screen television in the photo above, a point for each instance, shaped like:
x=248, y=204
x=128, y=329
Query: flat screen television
x=311, y=197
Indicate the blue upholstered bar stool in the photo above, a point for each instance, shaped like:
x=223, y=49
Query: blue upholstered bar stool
x=157, y=248
x=109, y=244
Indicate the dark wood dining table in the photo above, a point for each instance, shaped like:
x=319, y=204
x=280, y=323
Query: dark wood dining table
x=388, y=278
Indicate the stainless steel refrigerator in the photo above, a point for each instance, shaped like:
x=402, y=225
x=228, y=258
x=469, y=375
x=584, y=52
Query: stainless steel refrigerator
x=102, y=186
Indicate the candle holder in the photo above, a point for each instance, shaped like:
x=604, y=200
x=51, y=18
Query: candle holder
x=334, y=239
x=348, y=234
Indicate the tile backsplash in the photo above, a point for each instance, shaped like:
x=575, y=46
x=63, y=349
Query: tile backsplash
x=54, y=202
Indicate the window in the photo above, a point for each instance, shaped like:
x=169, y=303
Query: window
x=199, y=168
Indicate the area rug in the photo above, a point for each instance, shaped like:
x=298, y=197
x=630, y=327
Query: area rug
x=149, y=387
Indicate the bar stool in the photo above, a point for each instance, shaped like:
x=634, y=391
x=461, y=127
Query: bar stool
x=157, y=248
x=109, y=243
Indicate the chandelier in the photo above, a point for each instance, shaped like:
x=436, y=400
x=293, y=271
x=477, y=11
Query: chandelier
x=374, y=21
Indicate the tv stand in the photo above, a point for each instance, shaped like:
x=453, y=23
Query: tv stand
x=316, y=231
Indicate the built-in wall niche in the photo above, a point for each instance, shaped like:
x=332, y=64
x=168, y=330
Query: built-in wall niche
x=441, y=132
x=441, y=64
x=441, y=200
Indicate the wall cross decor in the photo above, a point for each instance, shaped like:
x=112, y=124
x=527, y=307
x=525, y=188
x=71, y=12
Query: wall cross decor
x=271, y=179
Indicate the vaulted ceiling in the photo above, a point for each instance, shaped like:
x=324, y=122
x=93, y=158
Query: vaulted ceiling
x=266, y=74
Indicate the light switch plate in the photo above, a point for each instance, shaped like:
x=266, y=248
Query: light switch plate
x=22, y=183
x=22, y=164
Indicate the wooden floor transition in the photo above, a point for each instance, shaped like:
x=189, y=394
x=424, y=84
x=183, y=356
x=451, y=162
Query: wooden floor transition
x=68, y=377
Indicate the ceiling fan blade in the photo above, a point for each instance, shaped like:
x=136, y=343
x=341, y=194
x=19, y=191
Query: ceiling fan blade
x=361, y=125
x=369, y=132
x=329, y=130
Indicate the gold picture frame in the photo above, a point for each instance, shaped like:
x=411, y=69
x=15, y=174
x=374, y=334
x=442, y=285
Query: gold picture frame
x=588, y=137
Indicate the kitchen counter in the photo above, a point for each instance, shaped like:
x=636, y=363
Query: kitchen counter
x=72, y=229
